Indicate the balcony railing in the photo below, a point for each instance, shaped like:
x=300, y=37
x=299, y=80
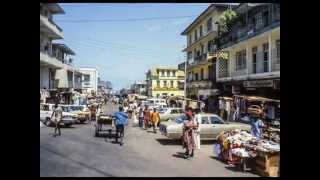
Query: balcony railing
x=51, y=25
x=244, y=32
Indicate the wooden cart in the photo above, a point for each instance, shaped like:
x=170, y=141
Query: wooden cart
x=267, y=164
x=104, y=123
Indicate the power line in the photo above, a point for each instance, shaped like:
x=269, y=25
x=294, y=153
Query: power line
x=124, y=20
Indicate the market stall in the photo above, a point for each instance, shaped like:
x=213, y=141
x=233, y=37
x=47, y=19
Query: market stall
x=240, y=148
x=269, y=108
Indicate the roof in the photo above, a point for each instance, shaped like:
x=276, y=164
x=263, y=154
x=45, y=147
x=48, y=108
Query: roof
x=205, y=13
x=64, y=48
x=54, y=8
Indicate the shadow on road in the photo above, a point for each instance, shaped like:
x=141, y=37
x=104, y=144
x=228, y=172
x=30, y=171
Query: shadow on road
x=169, y=141
x=179, y=155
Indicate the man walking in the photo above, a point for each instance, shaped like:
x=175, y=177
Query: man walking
x=146, y=117
x=121, y=119
x=155, y=118
x=141, y=117
x=56, y=118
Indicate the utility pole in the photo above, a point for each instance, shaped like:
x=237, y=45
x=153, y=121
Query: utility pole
x=185, y=76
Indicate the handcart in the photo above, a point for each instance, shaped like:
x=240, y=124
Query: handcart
x=104, y=123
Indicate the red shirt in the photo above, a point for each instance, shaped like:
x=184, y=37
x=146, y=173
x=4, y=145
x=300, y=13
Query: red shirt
x=146, y=114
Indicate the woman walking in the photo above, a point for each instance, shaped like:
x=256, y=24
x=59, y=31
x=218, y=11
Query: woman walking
x=189, y=127
x=56, y=117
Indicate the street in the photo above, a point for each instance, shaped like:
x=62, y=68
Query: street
x=144, y=154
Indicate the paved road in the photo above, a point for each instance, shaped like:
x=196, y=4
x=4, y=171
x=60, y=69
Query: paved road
x=78, y=153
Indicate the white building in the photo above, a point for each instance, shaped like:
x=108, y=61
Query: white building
x=64, y=76
x=89, y=79
x=49, y=31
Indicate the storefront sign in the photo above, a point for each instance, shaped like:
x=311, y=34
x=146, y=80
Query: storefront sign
x=260, y=83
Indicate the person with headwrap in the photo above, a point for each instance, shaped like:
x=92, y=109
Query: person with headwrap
x=188, y=137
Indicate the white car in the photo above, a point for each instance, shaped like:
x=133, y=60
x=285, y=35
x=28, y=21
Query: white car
x=210, y=125
x=45, y=116
x=170, y=113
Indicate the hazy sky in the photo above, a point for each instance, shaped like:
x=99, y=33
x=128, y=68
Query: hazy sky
x=124, y=50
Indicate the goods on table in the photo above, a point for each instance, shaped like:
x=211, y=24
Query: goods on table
x=237, y=145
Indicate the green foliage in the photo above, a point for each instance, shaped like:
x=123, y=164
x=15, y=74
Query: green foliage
x=226, y=19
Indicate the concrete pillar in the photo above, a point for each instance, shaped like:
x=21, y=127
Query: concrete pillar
x=248, y=59
x=270, y=53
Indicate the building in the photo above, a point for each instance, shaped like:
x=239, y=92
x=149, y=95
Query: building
x=65, y=75
x=139, y=87
x=49, y=31
x=200, y=48
x=165, y=81
x=77, y=80
x=89, y=79
x=104, y=86
x=252, y=64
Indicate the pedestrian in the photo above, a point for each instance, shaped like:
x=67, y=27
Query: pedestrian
x=188, y=137
x=121, y=119
x=256, y=125
x=93, y=110
x=146, y=117
x=155, y=118
x=56, y=117
x=141, y=117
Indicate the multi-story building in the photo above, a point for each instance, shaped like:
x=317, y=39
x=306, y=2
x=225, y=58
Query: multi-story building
x=49, y=31
x=77, y=80
x=139, y=87
x=252, y=65
x=165, y=81
x=89, y=79
x=200, y=48
x=65, y=75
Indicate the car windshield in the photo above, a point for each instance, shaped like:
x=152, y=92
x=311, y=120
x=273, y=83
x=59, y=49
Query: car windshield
x=163, y=110
x=180, y=119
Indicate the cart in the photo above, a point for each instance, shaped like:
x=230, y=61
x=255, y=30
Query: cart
x=104, y=123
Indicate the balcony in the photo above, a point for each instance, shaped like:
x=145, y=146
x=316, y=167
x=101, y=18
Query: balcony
x=165, y=88
x=48, y=26
x=50, y=60
x=244, y=32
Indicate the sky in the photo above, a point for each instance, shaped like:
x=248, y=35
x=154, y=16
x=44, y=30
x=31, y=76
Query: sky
x=124, y=50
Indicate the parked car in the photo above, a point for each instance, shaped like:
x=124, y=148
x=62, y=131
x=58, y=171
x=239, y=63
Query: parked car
x=210, y=125
x=170, y=113
x=80, y=110
x=45, y=116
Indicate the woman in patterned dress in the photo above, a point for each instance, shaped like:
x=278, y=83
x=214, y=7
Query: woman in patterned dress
x=189, y=127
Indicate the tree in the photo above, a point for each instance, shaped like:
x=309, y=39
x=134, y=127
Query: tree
x=226, y=20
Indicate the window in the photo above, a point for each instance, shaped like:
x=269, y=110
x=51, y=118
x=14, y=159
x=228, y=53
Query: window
x=174, y=73
x=200, y=30
x=209, y=25
x=158, y=83
x=205, y=120
x=196, y=76
x=158, y=71
x=201, y=74
x=162, y=73
x=254, y=60
x=164, y=83
x=215, y=120
x=278, y=49
x=86, y=78
x=265, y=18
x=210, y=46
x=189, y=55
x=171, y=84
x=240, y=60
x=195, y=35
x=168, y=73
x=258, y=20
x=174, y=111
x=265, y=57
